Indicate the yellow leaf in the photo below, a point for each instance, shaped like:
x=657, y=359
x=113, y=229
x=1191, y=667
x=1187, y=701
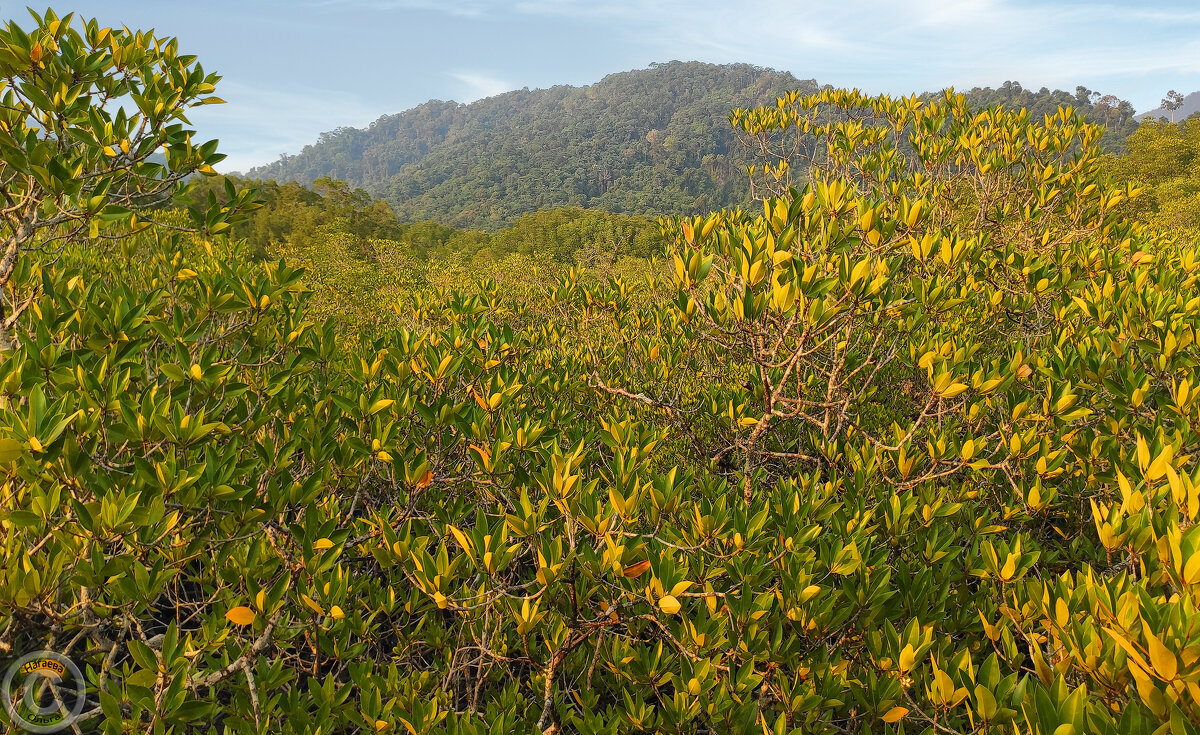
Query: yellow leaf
x=895, y=714
x=953, y=389
x=312, y=604
x=860, y=270
x=197, y=372
x=462, y=539
x=669, y=604
x=1191, y=569
x=914, y=213
x=1165, y=664
x=321, y=544
x=380, y=405
x=241, y=615
x=1010, y=567
x=35, y=445
x=680, y=588
x=1123, y=642
x=1143, y=453
x=260, y=600
x=336, y=613
x=441, y=600
x=1159, y=466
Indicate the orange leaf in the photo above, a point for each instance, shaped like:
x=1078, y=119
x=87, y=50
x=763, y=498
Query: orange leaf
x=636, y=570
x=35, y=53
x=425, y=481
x=241, y=615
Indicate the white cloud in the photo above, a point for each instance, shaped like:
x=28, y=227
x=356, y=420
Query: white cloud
x=257, y=125
x=477, y=86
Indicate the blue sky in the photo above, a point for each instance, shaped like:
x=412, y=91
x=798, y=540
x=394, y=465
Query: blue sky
x=295, y=68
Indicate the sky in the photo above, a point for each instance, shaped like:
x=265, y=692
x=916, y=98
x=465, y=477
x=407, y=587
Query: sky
x=295, y=68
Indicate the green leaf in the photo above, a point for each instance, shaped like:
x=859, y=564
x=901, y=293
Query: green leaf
x=24, y=519
x=10, y=450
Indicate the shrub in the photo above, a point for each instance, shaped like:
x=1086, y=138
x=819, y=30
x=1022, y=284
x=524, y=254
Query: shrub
x=911, y=450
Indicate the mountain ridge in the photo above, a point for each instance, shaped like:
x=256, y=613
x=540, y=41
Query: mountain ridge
x=1191, y=105
x=643, y=142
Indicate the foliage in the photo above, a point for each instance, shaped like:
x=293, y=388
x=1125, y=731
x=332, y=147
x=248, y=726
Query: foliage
x=912, y=450
x=365, y=260
x=1113, y=113
x=1164, y=159
x=74, y=167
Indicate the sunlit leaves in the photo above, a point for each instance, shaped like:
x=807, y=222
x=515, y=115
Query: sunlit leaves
x=241, y=615
x=873, y=458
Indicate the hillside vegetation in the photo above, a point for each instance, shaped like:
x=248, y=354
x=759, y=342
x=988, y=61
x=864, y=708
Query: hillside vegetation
x=649, y=142
x=899, y=449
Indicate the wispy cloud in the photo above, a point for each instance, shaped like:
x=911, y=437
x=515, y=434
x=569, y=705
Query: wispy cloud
x=918, y=44
x=459, y=8
x=476, y=86
x=364, y=58
x=257, y=125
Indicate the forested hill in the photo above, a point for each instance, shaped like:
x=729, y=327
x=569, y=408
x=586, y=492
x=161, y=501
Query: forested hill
x=651, y=141
x=642, y=142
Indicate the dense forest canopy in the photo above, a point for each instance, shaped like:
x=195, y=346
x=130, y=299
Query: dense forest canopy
x=650, y=142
